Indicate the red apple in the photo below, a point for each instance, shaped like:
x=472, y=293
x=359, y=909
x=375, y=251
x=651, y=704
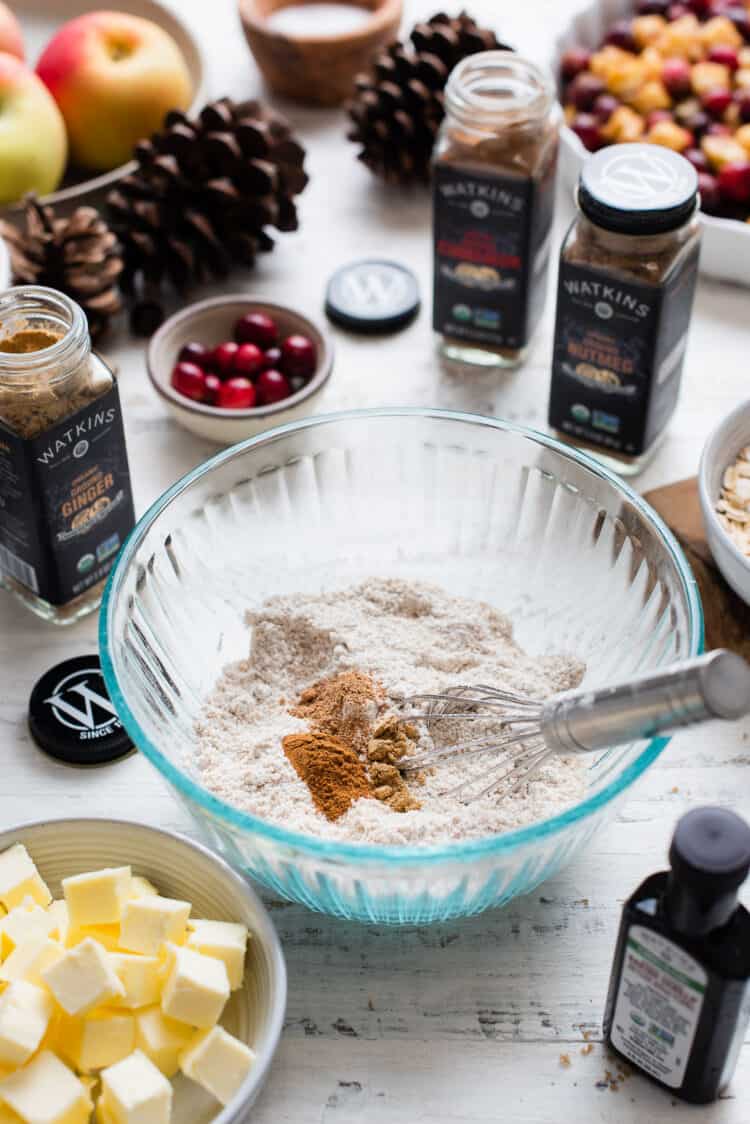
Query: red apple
x=114, y=77
x=11, y=39
x=33, y=145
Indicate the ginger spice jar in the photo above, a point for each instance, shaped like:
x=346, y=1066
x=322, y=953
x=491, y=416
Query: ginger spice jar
x=493, y=204
x=66, y=504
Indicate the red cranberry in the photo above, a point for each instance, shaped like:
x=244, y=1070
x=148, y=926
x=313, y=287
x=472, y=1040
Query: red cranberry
x=237, y=393
x=256, y=328
x=573, y=62
x=657, y=115
x=734, y=182
x=586, y=128
x=212, y=386
x=189, y=379
x=697, y=159
x=653, y=7
x=194, y=352
x=708, y=187
x=298, y=356
x=675, y=74
x=620, y=35
x=716, y=102
x=604, y=107
x=727, y=56
x=718, y=129
x=701, y=8
x=742, y=97
x=272, y=387
x=271, y=358
x=222, y=359
x=584, y=90
x=249, y=360
x=677, y=11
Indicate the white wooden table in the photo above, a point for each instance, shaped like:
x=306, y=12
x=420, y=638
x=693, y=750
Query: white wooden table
x=464, y=1022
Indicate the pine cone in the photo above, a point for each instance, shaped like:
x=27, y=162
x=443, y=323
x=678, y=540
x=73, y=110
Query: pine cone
x=201, y=199
x=79, y=256
x=398, y=107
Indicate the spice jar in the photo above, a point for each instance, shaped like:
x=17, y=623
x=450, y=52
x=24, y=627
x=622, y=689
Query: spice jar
x=628, y=269
x=493, y=203
x=65, y=498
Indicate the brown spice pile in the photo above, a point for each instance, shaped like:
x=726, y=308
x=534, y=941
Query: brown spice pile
x=345, y=706
x=391, y=740
x=331, y=770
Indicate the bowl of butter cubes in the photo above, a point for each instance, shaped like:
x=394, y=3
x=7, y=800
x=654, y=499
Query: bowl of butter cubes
x=141, y=980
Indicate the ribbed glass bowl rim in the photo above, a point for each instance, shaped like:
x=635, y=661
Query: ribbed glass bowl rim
x=389, y=853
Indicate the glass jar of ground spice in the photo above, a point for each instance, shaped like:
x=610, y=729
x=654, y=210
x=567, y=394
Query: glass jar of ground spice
x=628, y=269
x=493, y=203
x=65, y=498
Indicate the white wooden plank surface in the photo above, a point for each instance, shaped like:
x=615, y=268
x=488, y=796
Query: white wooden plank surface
x=454, y=1024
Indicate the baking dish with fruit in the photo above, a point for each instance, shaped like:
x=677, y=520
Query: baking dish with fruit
x=670, y=73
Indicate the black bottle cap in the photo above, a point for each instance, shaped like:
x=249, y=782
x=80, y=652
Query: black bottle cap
x=372, y=296
x=638, y=189
x=710, y=852
x=72, y=718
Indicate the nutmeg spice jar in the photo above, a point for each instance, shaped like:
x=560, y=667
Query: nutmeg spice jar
x=493, y=204
x=66, y=504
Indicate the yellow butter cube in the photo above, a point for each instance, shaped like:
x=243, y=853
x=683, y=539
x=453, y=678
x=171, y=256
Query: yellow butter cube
x=19, y=878
x=97, y=898
x=58, y=911
x=25, y=1014
x=83, y=978
x=197, y=987
x=27, y=921
x=98, y=1039
x=142, y=978
x=108, y=936
x=46, y=1092
x=134, y=1091
x=150, y=922
x=162, y=1039
x=219, y=1062
x=140, y=887
x=30, y=960
x=225, y=940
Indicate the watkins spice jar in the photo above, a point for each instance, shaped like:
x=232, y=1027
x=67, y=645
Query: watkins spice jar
x=628, y=269
x=493, y=204
x=65, y=499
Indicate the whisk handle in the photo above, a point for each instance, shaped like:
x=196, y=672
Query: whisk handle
x=716, y=685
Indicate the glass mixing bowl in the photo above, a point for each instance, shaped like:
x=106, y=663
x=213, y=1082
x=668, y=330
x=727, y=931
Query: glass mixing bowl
x=481, y=507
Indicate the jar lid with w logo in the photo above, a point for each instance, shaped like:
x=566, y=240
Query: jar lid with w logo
x=71, y=716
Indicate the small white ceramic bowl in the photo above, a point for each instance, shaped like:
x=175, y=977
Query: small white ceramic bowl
x=181, y=869
x=210, y=322
x=721, y=449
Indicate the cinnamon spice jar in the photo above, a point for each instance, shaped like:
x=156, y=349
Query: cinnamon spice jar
x=493, y=203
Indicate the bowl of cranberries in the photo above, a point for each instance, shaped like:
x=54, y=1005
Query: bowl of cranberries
x=231, y=367
x=674, y=73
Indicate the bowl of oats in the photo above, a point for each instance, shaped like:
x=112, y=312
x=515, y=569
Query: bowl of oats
x=724, y=484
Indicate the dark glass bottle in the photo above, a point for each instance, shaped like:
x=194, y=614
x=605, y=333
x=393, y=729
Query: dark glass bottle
x=679, y=995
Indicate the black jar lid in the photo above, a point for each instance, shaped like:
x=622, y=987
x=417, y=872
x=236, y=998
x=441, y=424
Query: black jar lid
x=71, y=716
x=638, y=189
x=372, y=296
x=710, y=851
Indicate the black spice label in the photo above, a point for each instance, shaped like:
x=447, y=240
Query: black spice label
x=66, y=505
x=618, y=355
x=491, y=239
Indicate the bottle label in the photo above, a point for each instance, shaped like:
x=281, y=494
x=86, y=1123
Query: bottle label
x=659, y=1004
x=618, y=355
x=492, y=248
x=66, y=504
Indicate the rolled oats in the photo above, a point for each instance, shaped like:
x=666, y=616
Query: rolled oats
x=733, y=504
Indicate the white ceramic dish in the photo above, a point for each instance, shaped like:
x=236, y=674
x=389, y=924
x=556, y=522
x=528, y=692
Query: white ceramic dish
x=40, y=19
x=181, y=869
x=721, y=449
x=725, y=253
x=210, y=322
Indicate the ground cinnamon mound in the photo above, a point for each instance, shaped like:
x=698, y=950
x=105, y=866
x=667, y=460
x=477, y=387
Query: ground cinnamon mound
x=331, y=770
x=345, y=706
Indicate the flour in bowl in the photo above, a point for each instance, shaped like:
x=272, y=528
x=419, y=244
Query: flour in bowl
x=411, y=637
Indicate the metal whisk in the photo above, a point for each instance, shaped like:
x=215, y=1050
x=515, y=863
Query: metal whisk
x=530, y=731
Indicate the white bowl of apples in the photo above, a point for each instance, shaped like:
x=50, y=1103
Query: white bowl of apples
x=230, y=367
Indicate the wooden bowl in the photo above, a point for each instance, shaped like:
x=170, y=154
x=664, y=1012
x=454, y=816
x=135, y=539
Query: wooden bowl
x=317, y=68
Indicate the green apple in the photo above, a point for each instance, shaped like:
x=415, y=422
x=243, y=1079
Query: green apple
x=33, y=144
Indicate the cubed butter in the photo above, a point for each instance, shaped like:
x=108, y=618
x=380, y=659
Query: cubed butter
x=58, y=911
x=108, y=936
x=162, y=1039
x=26, y=922
x=219, y=1062
x=97, y=1040
x=25, y=1014
x=197, y=987
x=97, y=898
x=19, y=878
x=150, y=922
x=142, y=978
x=134, y=1091
x=30, y=960
x=224, y=940
x=46, y=1092
x=83, y=978
x=140, y=887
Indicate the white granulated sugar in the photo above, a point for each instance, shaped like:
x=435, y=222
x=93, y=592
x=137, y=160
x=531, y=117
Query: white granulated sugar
x=414, y=638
